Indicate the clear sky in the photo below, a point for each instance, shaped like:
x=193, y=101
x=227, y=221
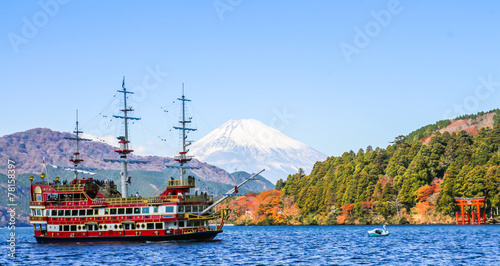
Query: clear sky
x=335, y=75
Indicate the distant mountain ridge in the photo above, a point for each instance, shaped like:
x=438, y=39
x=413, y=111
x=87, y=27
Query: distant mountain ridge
x=30, y=147
x=251, y=146
x=469, y=123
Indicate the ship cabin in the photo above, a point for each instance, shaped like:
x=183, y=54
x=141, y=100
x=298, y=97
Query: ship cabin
x=89, y=207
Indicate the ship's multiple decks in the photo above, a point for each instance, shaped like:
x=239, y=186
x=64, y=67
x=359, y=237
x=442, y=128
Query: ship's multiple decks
x=67, y=211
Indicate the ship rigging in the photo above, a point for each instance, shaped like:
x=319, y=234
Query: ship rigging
x=90, y=210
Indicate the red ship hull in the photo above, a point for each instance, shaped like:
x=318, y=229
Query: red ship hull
x=198, y=236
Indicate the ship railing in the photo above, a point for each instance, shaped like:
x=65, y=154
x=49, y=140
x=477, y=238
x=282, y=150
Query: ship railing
x=198, y=198
x=37, y=219
x=37, y=203
x=64, y=198
x=130, y=200
x=190, y=198
x=76, y=187
x=99, y=201
x=152, y=200
x=181, y=183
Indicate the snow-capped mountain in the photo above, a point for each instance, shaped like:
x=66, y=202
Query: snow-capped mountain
x=250, y=145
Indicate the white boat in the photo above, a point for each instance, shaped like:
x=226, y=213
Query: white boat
x=379, y=232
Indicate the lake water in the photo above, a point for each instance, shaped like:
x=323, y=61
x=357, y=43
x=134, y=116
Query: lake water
x=283, y=245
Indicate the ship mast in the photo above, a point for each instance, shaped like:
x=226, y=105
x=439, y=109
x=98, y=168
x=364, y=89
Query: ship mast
x=124, y=143
x=182, y=158
x=76, y=155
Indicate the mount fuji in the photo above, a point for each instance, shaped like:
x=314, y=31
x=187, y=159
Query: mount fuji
x=249, y=145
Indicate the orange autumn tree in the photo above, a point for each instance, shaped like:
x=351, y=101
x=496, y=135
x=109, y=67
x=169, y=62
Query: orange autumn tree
x=269, y=208
x=345, y=214
x=266, y=208
x=425, y=209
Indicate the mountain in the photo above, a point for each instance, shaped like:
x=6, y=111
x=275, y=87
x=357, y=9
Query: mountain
x=29, y=148
x=469, y=123
x=251, y=146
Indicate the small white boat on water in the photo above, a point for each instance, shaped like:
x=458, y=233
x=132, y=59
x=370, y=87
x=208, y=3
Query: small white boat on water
x=379, y=232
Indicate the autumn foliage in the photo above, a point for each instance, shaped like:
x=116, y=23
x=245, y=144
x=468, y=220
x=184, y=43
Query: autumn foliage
x=266, y=208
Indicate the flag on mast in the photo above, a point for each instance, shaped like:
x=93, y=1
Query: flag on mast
x=123, y=83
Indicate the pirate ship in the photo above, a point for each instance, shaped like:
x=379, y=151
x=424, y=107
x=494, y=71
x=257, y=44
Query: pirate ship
x=90, y=210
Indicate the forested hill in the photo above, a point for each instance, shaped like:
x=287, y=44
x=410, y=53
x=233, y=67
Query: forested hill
x=409, y=181
x=470, y=123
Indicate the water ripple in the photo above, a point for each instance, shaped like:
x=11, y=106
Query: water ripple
x=279, y=245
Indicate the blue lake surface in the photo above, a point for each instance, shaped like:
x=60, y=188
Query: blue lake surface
x=279, y=245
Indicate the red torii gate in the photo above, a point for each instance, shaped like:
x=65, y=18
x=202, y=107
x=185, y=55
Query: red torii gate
x=478, y=202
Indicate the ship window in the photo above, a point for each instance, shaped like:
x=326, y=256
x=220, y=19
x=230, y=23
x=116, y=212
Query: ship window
x=96, y=211
x=66, y=228
x=169, y=209
x=89, y=212
x=188, y=208
x=60, y=212
x=128, y=210
x=137, y=210
x=158, y=225
x=196, y=223
x=54, y=212
x=73, y=228
x=100, y=227
x=189, y=223
x=121, y=211
x=181, y=208
x=81, y=213
x=106, y=211
x=143, y=226
x=112, y=211
x=74, y=212
x=38, y=212
x=67, y=213
x=155, y=209
x=181, y=224
x=79, y=227
x=151, y=226
x=195, y=208
x=145, y=210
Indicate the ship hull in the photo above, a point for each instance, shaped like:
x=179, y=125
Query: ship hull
x=198, y=236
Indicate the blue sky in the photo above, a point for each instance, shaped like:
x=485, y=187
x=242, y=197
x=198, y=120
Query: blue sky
x=281, y=62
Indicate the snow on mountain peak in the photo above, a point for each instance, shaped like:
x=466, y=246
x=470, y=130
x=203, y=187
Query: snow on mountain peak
x=250, y=145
